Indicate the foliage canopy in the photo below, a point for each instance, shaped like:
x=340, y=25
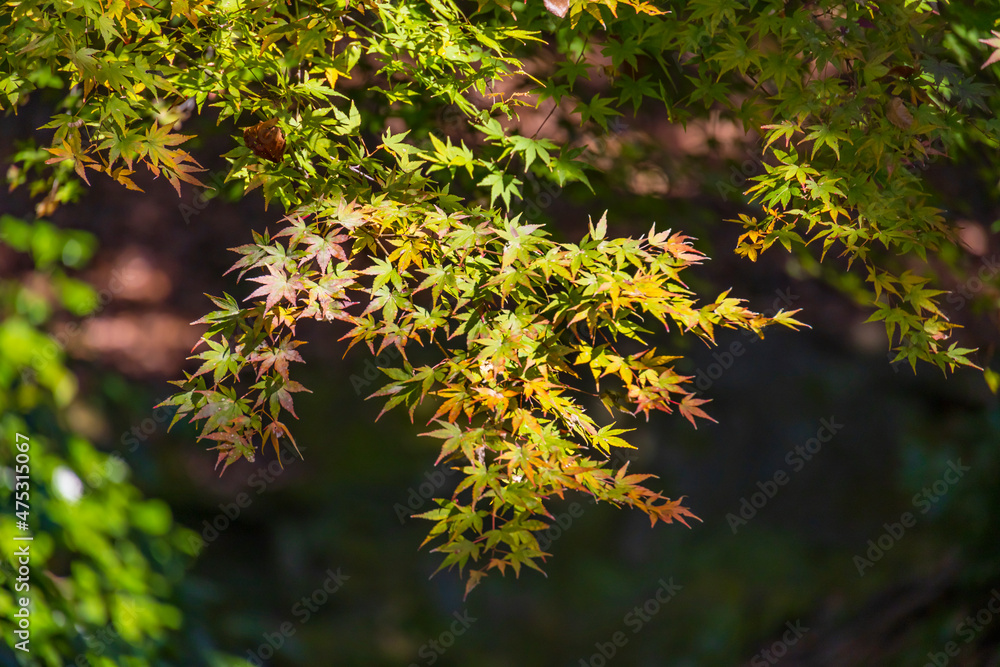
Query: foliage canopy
x=414, y=233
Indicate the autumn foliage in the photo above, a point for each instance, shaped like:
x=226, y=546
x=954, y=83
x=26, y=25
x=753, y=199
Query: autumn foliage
x=417, y=239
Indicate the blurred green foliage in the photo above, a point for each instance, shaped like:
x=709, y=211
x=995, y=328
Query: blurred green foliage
x=104, y=560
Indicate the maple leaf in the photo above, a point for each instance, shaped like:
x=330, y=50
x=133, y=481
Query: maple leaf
x=278, y=357
x=350, y=216
x=232, y=443
x=276, y=286
x=475, y=576
x=671, y=510
x=219, y=358
x=122, y=174
x=283, y=397
x=72, y=151
x=275, y=430
x=995, y=43
x=324, y=248
x=227, y=452
x=252, y=256
x=679, y=247
x=220, y=412
x=177, y=165
x=689, y=408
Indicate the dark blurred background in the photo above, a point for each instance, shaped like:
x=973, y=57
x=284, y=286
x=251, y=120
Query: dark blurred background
x=804, y=556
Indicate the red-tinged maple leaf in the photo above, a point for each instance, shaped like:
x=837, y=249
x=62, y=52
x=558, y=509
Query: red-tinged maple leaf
x=632, y=480
x=232, y=445
x=228, y=452
x=679, y=247
x=327, y=308
x=180, y=171
x=995, y=43
x=689, y=408
x=657, y=239
x=276, y=287
x=350, y=216
x=324, y=248
x=252, y=254
x=275, y=430
x=229, y=436
x=672, y=510
x=278, y=357
x=225, y=452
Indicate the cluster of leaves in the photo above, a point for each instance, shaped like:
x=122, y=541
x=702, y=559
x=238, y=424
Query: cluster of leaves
x=412, y=237
x=513, y=316
x=852, y=101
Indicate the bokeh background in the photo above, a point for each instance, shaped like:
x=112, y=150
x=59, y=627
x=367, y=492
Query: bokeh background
x=315, y=562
